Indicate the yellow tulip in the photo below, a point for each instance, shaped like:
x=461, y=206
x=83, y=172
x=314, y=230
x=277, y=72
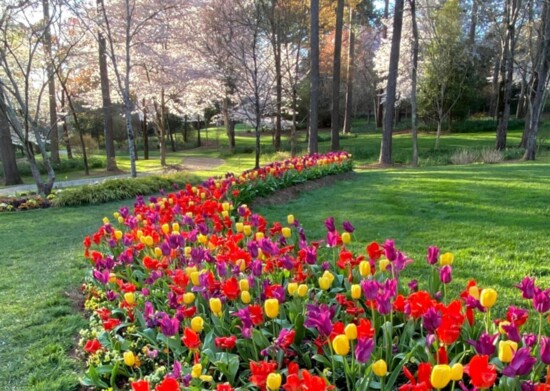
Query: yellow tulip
x=188, y=297
x=324, y=283
x=346, y=238
x=118, y=234
x=225, y=214
x=329, y=275
x=187, y=251
x=302, y=290
x=292, y=287
x=206, y=378
x=271, y=308
x=116, y=215
x=158, y=252
x=202, y=238
x=165, y=228
x=287, y=232
x=356, y=291
x=239, y=227
x=196, y=371
x=380, y=368
x=195, y=278
x=149, y=241
x=244, y=285
x=245, y=297
x=364, y=268
x=175, y=227
x=112, y=277
x=351, y=331
x=121, y=219
x=130, y=297
x=274, y=381
x=446, y=259
x=226, y=206
x=189, y=270
x=197, y=324
x=457, y=370
x=488, y=297
x=247, y=229
x=340, y=344
x=129, y=358
x=290, y=219
x=441, y=376
x=215, y=305
x=259, y=235
x=506, y=350
x=383, y=264
x=474, y=292
x=105, y=220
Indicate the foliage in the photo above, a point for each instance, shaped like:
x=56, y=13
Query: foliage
x=191, y=290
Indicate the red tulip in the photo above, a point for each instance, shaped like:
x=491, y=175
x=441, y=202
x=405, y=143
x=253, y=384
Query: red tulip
x=482, y=374
x=191, y=339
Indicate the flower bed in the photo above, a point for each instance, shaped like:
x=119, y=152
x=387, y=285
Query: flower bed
x=192, y=291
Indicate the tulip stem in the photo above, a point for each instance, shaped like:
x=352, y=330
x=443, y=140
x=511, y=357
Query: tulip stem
x=332, y=362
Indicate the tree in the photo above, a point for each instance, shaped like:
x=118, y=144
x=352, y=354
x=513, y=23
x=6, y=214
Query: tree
x=106, y=96
x=349, y=73
x=386, y=144
x=7, y=151
x=446, y=65
x=540, y=82
x=314, y=77
x=414, y=124
x=335, y=117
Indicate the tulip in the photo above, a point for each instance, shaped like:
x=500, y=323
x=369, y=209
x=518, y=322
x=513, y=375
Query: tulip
x=287, y=232
x=446, y=259
x=158, y=252
x=346, y=238
x=380, y=368
x=271, y=308
x=302, y=290
x=383, y=265
x=247, y=229
x=175, y=227
x=292, y=287
x=488, y=297
x=215, y=306
x=239, y=227
x=226, y=206
x=129, y=358
x=364, y=268
x=245, y=297
x=196, y=371
x=274, y=381
x=457, y=370
x=290, y=219
x=244, y=285
x=356, y=291
x=324, y=283
x=188, y=297
x=351, y=331
x=501, y=326
x=197, y=324
x=165, y=228
x=340, y=344
x=441, y=376
x=118, y=235
x=195, y=278
x=545, y=350
x=130, y=297
x=506, y=350
x=259, y=235
x=329, y=276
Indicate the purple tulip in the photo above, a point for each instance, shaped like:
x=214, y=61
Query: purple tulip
x=529, y=339
x=320, y=318
x=485, y=344
x=413, y=286
x=332, y=238
x=433, y=255
x=445, y=274
x=527, y=287
x=363, y=349
x=348, y=227
x=512, y=332
x=311, y=255
x=522, y=363
x=431, y=320
x=370, y=289
x=401, y=261
x=545, y=349
x=389, y=249
x=169, y=327
x=102, y=277
x=329, y=224
x=541, y=301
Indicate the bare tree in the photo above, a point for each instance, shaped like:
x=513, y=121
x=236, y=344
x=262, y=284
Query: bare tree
x=314, y=78
x=414, y=73
x=349, y=73
x=386, y=144
x=335, y=117
x=7, y=151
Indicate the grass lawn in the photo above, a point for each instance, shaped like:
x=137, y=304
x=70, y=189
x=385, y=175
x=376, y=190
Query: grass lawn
x=495, y=218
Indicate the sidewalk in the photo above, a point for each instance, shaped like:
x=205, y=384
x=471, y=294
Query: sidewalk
x=190, y=164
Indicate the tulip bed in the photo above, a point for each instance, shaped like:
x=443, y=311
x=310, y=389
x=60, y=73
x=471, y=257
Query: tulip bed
x=194, y=291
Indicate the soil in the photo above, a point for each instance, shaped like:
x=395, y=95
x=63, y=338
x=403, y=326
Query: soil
x=291, y=193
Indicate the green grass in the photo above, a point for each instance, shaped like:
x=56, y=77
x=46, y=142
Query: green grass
x=42, y=269
x=494, y=218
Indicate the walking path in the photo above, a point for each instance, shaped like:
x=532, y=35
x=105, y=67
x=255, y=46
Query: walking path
x=189, y=164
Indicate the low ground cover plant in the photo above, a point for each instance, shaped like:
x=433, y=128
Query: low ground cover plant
x=193, y=290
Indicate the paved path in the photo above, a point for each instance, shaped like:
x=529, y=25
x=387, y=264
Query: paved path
x=189, y=164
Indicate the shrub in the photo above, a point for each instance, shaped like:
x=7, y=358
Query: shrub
x=465, y=156
x=490, y=155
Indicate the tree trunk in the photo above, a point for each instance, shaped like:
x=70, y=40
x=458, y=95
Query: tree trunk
x=145, y=131
x=542, y=76
x=414, y=124
x=336, y=75
x=493, y=104
x=279, y=93
x=53, y=132
x=65, y=127
x=349, y=75
x=379, y=113
x=473, y=25
x=106, y=101
x=293, y=130
x=314, y=78
x=162, y=128
x=7, y=151
x=198, y=131
x=386, y=144
x=229, y=126
x=520, y=110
